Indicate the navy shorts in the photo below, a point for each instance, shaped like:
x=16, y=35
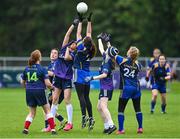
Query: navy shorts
x=130, y=92
x=106, y=93
x=61, y=97
x=62, y=83
x=35, y=98
x=160, y=88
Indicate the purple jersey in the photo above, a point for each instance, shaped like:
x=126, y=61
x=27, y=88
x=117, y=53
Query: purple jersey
x=51, y=68
x=106, y=67
x=63, y=68
x=34, y=77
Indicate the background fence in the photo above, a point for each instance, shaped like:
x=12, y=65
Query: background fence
x=12, y=67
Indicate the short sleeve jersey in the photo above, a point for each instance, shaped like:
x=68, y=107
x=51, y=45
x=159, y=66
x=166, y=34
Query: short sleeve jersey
x=35, y=76
x=106, y=67
x=63, y=68
x=129, y=71
x=160, y=72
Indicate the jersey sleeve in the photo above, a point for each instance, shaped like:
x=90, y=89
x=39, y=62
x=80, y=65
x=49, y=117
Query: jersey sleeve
x=150, y=63
x=80, y=45
x=139, y=66
x=168, y=70
x=45, y=74
x=120, y=60
x=72, y=54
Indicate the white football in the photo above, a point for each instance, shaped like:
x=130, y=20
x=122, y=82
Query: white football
x=82, y=7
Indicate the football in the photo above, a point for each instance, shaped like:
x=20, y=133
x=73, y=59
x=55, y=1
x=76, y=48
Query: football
x=82, y=7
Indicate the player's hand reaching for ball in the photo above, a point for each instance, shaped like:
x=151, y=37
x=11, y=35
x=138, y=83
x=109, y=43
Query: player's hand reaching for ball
x=75, y=22
x=80, y=16
x=90, y=16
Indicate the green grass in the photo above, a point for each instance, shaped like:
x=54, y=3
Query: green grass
x=13, y=111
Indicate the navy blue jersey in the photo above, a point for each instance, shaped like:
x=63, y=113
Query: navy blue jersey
x=160, y=72
x=51, y=67
x=129, y=71
x=81, y=60
x=151, y=62
x=106, y=67
x=35, y=76
x=63, y=68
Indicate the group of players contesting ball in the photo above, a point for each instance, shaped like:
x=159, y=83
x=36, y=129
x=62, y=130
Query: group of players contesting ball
x=72, y=60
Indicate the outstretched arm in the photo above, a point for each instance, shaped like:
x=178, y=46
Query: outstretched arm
x=79, y=30
x=67, y=55
x=100, y=45
x=67, y=36
x=89, y=26
x=101, y=76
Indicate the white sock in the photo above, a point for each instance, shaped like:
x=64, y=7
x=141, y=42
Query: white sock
x=54, y=109
x=30, y=119
x=69, y=109
x=106, y=125
x=110, y=123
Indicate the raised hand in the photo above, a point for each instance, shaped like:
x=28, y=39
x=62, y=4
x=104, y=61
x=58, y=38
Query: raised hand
x=80, y=17
x=75, y=22
x=90, y=16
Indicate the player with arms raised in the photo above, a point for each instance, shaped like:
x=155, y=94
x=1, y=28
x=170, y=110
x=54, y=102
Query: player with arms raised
x=129, y=69
x=106, y=82
x=86, y=50
x=63, y=75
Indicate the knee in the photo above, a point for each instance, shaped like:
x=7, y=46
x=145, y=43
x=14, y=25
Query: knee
x=67, y=101
x=99, y=107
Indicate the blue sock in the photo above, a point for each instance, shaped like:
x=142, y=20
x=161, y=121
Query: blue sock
x=163, y=107
x=153, y=103
x=139, y=118
x=121, y=121
x=60, y=118
x=46, y=123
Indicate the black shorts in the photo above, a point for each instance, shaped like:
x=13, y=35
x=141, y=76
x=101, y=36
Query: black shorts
x=35, y=98
x=62, y=83
x=106, y=93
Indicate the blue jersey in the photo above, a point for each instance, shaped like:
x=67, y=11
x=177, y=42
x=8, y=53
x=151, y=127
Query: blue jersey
x=81, y=60
x=63, y=68
x=51, y=67
x=34, y=77
x=160, y=72
x=106, y=67
x=151, y=62
x=129, y=72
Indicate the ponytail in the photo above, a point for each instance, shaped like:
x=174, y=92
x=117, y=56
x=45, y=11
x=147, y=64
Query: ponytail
x=35, y=56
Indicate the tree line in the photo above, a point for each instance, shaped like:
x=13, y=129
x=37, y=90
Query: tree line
x=41, y=24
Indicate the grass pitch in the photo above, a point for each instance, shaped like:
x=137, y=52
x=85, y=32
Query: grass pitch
x=13, y=111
